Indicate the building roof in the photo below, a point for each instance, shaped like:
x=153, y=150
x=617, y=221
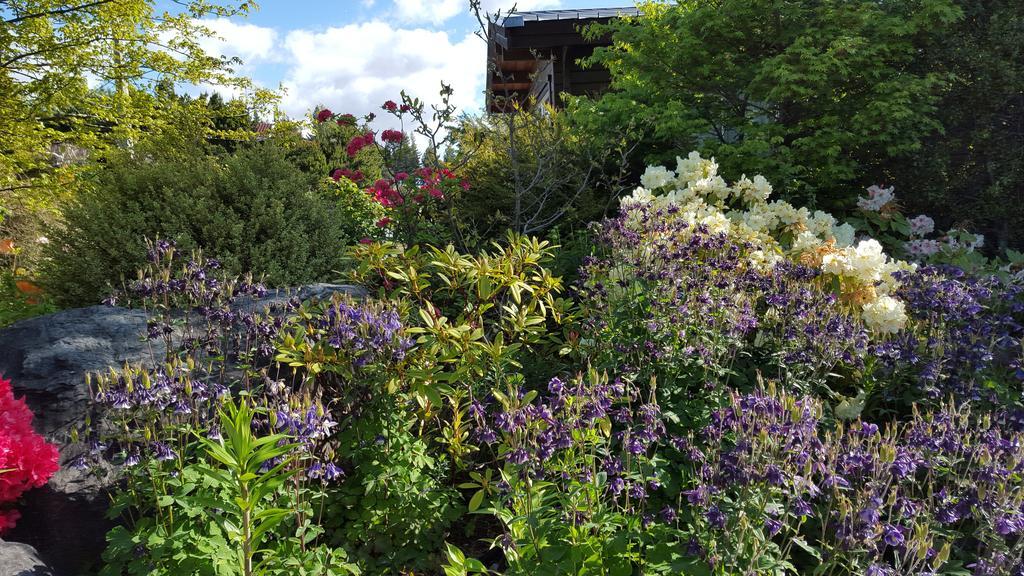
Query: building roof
x=518, y=19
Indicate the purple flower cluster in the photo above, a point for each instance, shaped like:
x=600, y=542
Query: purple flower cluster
x=677, y=298
x=900, y=500
x=578, y=432
x=194, y=309
x=366, y=334
x=967, y=329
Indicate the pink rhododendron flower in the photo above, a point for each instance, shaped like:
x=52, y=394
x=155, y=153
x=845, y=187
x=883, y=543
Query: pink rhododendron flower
x=29, y=460
x=357, y=143
x=392, y=136
x=390, y=106
x=401, y=176
x=324, y=115
x=366, y=240
x=384, y=192
x=353, y=175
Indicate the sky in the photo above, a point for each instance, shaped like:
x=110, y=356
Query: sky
x=352, y=55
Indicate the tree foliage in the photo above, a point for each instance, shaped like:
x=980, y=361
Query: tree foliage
x=80, y=78
x=817, y=96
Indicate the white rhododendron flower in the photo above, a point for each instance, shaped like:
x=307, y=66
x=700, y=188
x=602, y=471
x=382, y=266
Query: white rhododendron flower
x=713, y=187
x=921, y=225
x=886, y=315
x=821, y=223
x=764, y=259
x=752, y=191
x=789, y=214
x=657, y=176
x=640, y=196
x=693, y=168
x=700, y=198
x=867, y=261
x=843, y=234
x=876, y=199
x=805, y=242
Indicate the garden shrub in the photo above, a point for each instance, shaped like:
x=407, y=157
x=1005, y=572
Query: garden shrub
x=530, y=171
x=27, y=460
x=740, y=386
x=253, y=208
x=704, y=284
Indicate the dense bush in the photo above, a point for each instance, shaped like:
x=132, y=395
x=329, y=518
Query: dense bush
x=26, y=459
x=254, y=208
x=531, y=170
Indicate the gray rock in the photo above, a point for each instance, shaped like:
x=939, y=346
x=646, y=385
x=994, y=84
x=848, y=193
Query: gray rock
x=21, y=560
x=46, y=358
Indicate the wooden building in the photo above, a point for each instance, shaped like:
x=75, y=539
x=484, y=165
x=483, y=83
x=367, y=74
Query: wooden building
x=533, y=56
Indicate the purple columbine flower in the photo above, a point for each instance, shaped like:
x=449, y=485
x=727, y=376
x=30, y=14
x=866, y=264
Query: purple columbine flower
x=892, y=536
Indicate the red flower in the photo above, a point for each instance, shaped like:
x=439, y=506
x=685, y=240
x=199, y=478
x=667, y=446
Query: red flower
x=405, y=108
x=324, y=115
x=383, y=222
x=353, y=175
x=401, y=176
x=366, y=240
x=357, y=143
x=29, y=460
x=392, y=136
x=346, y=120
x=465, y=185
x=384, y=192
x=390, y=106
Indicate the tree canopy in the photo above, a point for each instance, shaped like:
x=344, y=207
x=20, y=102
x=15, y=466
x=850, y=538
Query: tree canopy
x=815, y=95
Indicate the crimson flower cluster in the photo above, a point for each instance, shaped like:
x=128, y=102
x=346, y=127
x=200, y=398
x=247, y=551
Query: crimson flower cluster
x=357, y=143
x=27, y=460
x=353, y=175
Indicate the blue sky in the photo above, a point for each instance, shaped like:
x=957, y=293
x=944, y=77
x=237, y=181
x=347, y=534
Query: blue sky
x=351, y=55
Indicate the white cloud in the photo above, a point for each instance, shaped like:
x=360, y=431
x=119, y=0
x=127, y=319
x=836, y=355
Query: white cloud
x=435, y=11
x=249, y=42
x=355, y=68
x=438, y=11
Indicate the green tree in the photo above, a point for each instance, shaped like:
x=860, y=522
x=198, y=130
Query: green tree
x=817, y=96
x=79, y=78
x=970, y=174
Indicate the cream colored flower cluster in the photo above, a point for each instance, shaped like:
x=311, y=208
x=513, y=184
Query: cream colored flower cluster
x=864, y=271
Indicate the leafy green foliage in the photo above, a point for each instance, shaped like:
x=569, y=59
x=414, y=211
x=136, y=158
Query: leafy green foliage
x=221, y=509
x=254, y=208
x=82, y=80
x=475, y=317
x=396, y=506
x=815, y=96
